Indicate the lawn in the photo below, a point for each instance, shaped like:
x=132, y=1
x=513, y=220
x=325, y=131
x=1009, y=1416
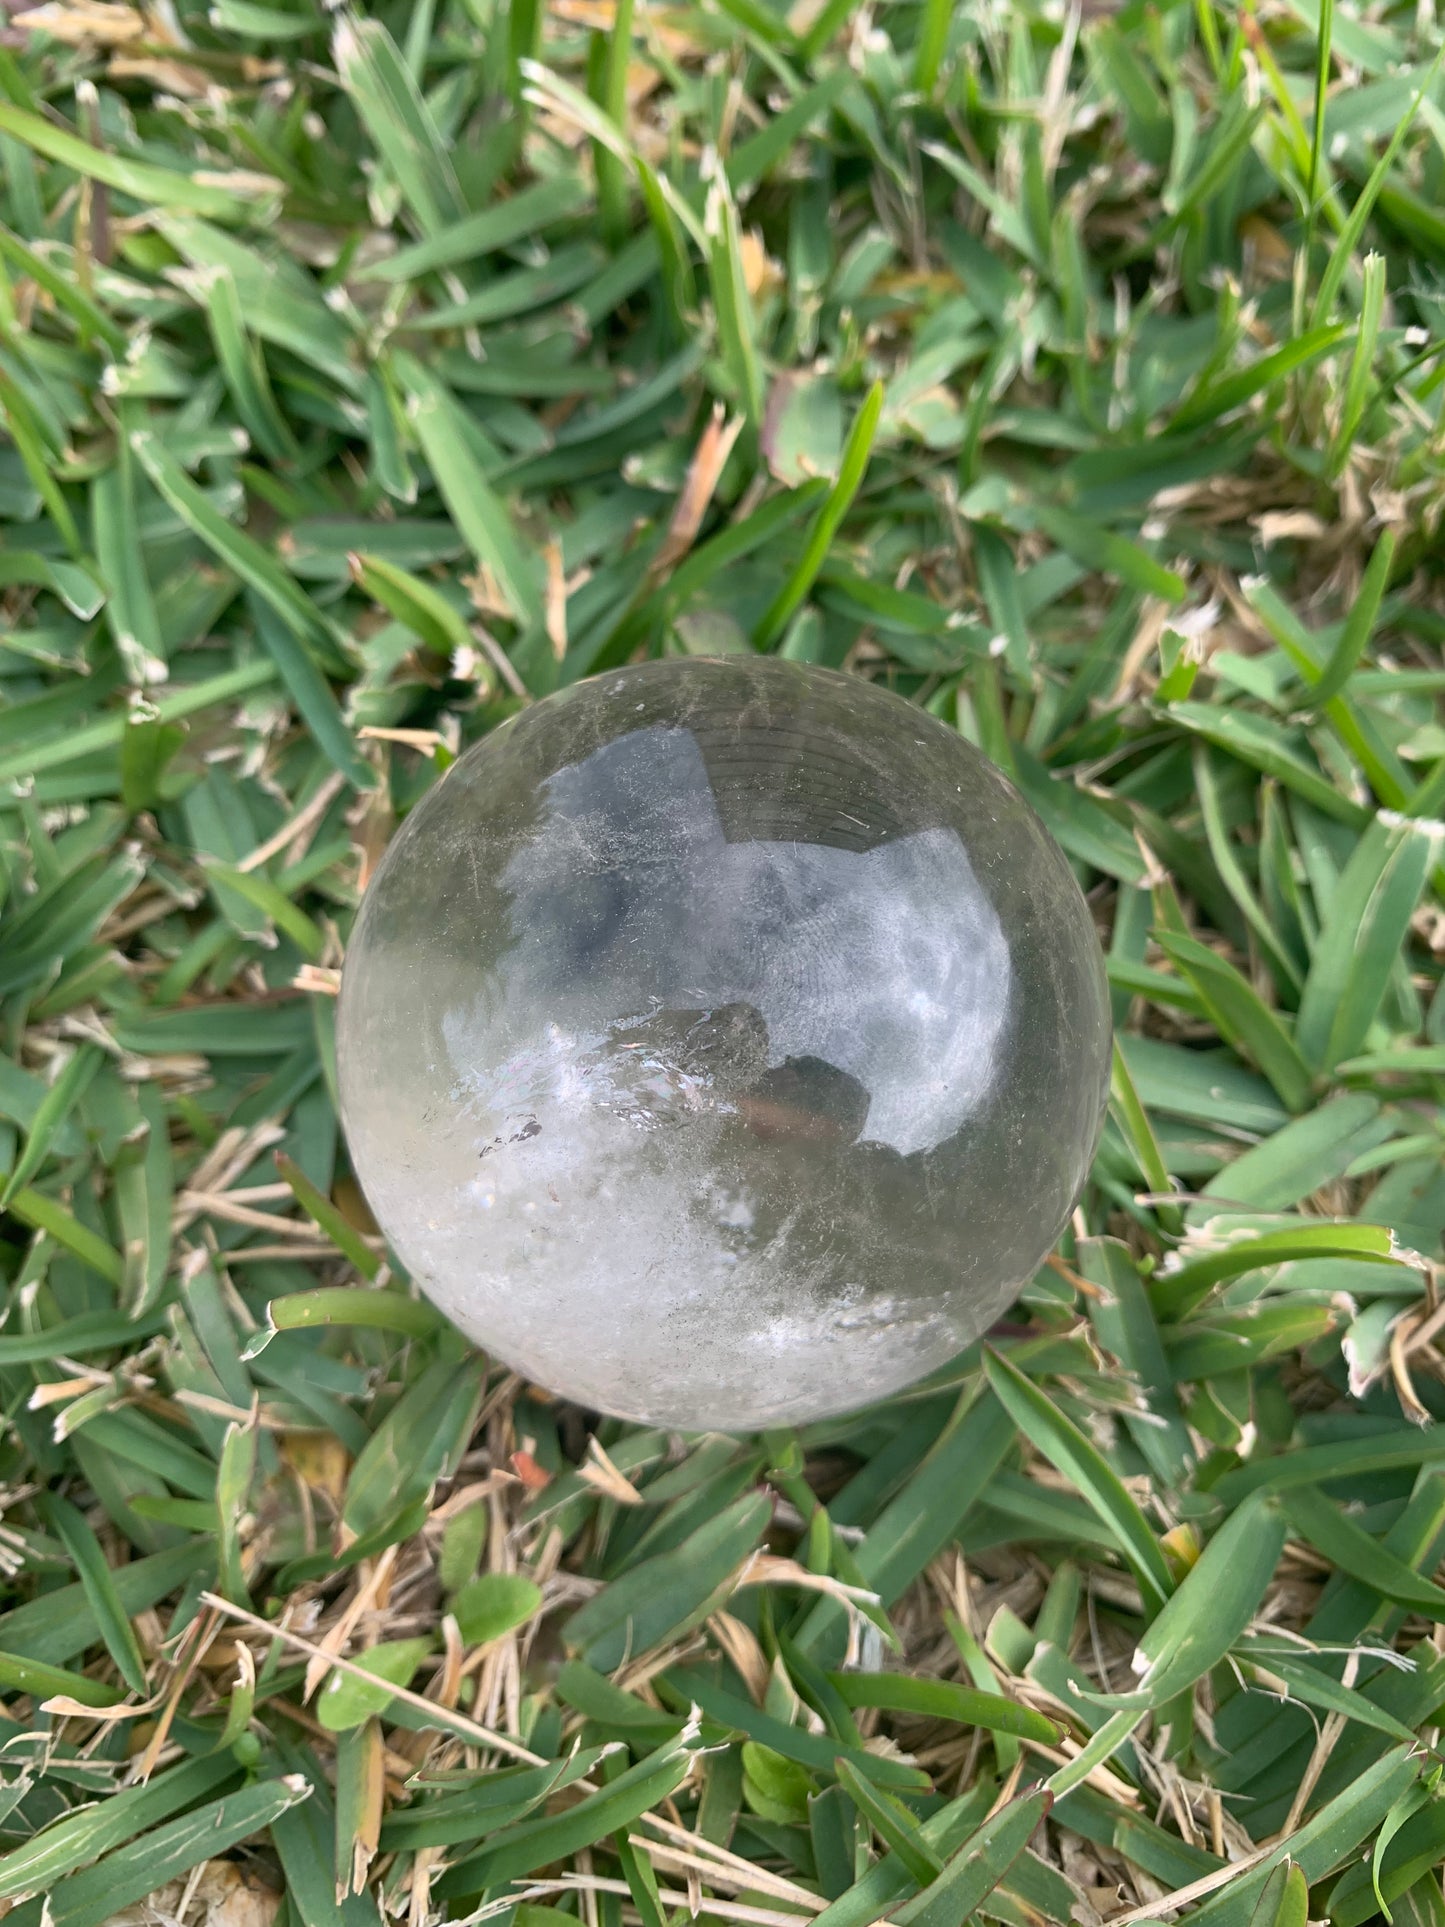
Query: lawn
x=1079, y=377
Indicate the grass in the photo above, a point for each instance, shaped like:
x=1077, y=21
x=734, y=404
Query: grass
x=1080, y=378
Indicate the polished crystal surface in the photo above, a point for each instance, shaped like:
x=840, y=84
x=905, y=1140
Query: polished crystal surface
x=722, y=1043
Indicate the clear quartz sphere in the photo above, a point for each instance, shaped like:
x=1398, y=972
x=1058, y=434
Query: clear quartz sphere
x=722, y=1043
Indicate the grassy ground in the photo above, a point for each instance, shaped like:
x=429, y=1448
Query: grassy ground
x=362, y=378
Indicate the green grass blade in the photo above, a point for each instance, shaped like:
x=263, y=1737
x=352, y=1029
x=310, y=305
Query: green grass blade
x=54, y=1109
x=851, y=469
x=131, y=1872
x=1359, y=624
x=1217, y=1599
x=448, y=441
x=80, y=1542
x=152, y=186
x=398, y=122
x=1353, y=1550
x=943, y=1700
x=978, y=1865
x=1065, y=1446
x=1242, y=1018
x=1361, y=938
x=1343, y=254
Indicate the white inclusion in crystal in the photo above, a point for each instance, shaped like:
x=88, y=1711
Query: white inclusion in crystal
x=820, y=941
x=732, y=1209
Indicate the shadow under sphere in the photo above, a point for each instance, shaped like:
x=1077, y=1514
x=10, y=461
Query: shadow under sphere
x=722, y=1043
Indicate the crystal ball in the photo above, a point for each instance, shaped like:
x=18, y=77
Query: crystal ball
x=722, y=1043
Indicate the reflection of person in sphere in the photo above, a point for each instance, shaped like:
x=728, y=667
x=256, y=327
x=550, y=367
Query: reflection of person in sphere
x=723, y=1056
